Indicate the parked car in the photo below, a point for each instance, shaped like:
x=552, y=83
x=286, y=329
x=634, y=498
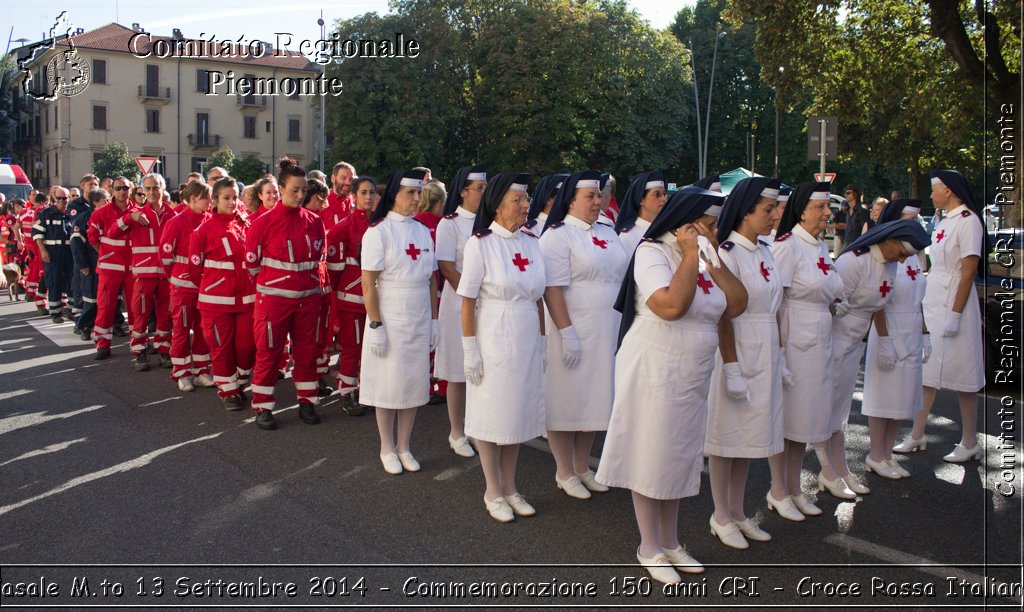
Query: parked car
x=14, y=182
x=1000, y=288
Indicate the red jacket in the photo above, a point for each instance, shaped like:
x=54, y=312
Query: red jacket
x=216, y=263
x=143, y=239
x=344, y=242
x=28, y=219
x=283, y=249
x=336, y=210
x=114, y=253
x=174, y=245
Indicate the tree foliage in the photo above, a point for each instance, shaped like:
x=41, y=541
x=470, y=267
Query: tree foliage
x=247, y=169
x=8, y=122
x=114, y=161
x=223, y=157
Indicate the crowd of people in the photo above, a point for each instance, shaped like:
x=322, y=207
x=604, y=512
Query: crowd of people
x=684, y=326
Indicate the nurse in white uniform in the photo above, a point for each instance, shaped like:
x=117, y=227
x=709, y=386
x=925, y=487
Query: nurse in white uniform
x=453, y=231
x=399, y=286
x=584, y=263
x=868, y=269
x=502, y=340
x=811, y=283
x=671, y=301
x=745, y=404
x=544, y=195
x=645, y=197
x=952, y=311
x=898, y=344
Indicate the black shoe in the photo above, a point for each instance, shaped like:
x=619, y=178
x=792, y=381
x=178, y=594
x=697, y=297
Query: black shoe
x=351, y=406
x=233, y=403
x=86, y=335
x=436, y=399
x=165, y=361
x=57, y=319
x=323, y=389
x=42, y=310
x=280, y=375
x=101, y=354
x=265, y=420
x=308, y=414
x=150, y=350
x=141, y=363
x=68, y=313
x=119, y=331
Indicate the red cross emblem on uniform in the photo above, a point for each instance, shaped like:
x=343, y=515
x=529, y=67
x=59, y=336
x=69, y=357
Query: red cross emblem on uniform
x=412, y=251
x=764, y=272
x=601, y=243
x=885, y=288
x=912, y=273
x=520, y=262
x=940, y=236
x=704, y=284
x=823, y=266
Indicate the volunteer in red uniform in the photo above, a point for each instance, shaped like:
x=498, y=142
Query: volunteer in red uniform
x=265, y=196
x=282, y=250
x=227, y=293
x=111, y=265
x=339, y=201
x=348, y=313
x=315, y=202
x=190, y=356
x=35, y=287
x=150, y=288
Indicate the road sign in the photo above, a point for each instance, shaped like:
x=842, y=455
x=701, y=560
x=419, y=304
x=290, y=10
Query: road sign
x=146, y=164
x=814, y=137
x=829, y=177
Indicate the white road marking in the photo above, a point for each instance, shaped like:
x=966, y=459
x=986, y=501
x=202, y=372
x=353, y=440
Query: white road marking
x=166, y=399
x=53, y=448
x=38, y=362
x=61, y=334
x=22, y=421
x=14, y=341
x=17, y=393
x=890, y=555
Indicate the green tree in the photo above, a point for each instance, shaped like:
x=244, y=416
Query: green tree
x=222, y=157
x=248, y=169
x=8, y=122
x=115, y=161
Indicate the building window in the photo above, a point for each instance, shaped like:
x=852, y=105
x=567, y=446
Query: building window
x=202, y=128
x=249, y=127
x=268, y=127
x=153, y=120
x=198, y=165
x=99, y=71
x=203, y=80
x=161, y=164
x=250, y=80
x=99, y=117
x=293, y=130
x=56, y=109
x=152, y=80
x=295, y=92
x=47, y=121
x=96, y=157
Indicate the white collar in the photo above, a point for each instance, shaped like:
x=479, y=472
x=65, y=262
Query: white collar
x=741, y=240
x=805, y=235
x=642, y=223
x=577, y=222
x=956, y=211
x=542, y=217
x=501, y=231
x=397, y=217
x=465, y=214
x=669, y=240
x=876, y=252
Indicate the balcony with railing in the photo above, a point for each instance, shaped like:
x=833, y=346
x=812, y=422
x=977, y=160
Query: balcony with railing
x=251, y=101
x=204, y=140
x=152, y=93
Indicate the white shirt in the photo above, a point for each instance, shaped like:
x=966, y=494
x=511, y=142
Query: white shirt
x=400, y=248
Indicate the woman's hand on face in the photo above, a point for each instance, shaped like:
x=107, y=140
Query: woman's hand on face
x=686, y=236
x=710, y=234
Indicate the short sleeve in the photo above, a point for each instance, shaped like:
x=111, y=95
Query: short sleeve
x=651, y=270
x=850, y=270
x=447, y=241
x=785, y=261
x=729, y=261
x=969, y=237
x=472, y=269
x=554, y=248
x=372, y=256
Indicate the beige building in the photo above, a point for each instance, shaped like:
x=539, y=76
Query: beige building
x=159, y=105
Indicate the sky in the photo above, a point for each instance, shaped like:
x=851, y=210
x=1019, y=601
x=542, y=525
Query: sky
x=225, y=19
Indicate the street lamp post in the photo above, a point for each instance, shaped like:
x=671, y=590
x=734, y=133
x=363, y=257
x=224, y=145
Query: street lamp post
x=707, y=117
x=782, y=70
x=323, y=103
x=696, y=106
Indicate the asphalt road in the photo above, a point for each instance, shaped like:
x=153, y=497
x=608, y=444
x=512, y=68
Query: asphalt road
x=116, y=489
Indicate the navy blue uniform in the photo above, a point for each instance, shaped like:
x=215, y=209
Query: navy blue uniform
x=54, y=229
x=77, y=208
x=85, y=257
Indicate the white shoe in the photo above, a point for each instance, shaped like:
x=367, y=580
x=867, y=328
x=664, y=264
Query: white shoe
x=519, y=505
x=500, y=510
x=462, y=447
x=204, y=380
x=784, y=507
x=591, y=483
x=881, y=468
x=185, y=384
x=409, y=462
x=805, y=506
x=392, y=465
x=891, y=462
x=910, y=444
x=836, y=487
x=683, y=561
x=855, y=485
x=961, y=454
x=751, y=531
x=659, y=567
x=572, y=487
x=729, y=534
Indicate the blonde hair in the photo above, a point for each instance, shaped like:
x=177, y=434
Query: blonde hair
x=431, y=195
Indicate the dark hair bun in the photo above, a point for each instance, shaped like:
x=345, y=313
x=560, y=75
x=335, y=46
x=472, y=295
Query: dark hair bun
x=286, y=163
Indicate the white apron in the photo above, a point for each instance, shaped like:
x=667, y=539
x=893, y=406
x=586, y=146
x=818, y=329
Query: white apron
x=452, y=233
x=897, y=394
x=588, y=263
x=655, y=440
x=957, y=363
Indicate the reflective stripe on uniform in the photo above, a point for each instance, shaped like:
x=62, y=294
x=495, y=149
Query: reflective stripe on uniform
x=284, y=265
x=220, y=265
x=288, y=293
x=349, y=297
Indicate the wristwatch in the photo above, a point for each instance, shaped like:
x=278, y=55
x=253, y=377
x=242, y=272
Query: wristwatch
x=375, y=324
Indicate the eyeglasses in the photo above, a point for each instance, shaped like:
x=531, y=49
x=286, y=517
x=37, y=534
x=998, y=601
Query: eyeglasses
x=847, y=193
x=64, y=199
x=121, y=188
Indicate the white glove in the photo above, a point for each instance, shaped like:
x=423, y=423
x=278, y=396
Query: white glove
x=886, y=354
x=435, y=334
x=544, y=352
x=841, y=308
x=570, y=347
x=952, y=324
x=926, y=347
x=378, y=341
x=787, y=376
x=710, y=254
x=472, y=362
x=736, y=386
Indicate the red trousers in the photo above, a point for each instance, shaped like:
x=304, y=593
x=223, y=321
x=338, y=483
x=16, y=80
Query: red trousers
x=324, y=338
x=275, y=319
x=232, y=348
x=190, y=354
x=347, y=327
x=108, y=289
x=35, y=287
x=150, y=293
